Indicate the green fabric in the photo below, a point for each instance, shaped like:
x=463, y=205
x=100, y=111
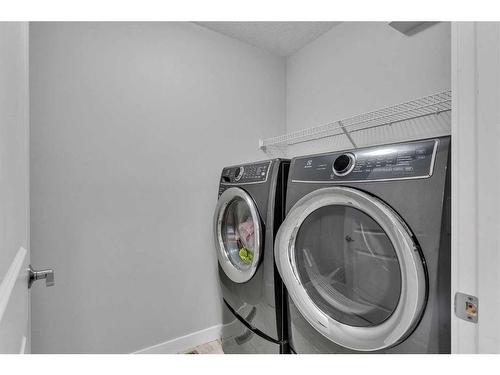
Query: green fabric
x=246, y=255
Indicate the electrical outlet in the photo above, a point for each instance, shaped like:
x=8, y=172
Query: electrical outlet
x=467, y=307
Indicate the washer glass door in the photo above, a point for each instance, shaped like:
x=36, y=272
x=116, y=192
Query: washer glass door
x=237, y=234
x=352, y=268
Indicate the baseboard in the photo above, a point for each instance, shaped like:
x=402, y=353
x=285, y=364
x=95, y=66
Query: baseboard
x=184, y=343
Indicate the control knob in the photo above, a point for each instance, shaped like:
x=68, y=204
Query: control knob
x=344, y=164
x=238, y=173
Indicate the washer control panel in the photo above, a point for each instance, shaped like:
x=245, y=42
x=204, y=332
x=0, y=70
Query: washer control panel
x=389, y=162
x=244, y=174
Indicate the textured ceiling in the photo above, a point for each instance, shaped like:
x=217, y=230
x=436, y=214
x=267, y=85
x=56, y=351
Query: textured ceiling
x=281, y=38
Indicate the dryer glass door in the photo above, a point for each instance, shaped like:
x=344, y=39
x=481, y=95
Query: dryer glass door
x=348, y=265
x=237, y=234
x=352, y=268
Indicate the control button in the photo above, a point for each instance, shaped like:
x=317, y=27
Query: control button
x=344, y=164
x=421, y=151
x=238, y=173
x=406, y=153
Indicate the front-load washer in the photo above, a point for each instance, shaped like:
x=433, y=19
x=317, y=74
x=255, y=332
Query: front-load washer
x=364, y=250
x=249, y=211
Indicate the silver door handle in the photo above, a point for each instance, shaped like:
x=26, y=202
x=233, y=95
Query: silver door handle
x=48, y=275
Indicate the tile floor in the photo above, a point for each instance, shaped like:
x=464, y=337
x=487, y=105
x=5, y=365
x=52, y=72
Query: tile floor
x=213, y=347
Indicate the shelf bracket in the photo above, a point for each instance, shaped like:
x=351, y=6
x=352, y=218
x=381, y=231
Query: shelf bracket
x=344, y=130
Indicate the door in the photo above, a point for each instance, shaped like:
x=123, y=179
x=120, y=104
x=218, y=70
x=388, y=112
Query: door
x=16, y=275
x=238, y=234
x=14, y=203
x=352, y=268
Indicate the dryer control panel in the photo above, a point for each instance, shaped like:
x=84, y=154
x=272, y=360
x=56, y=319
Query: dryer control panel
x=388, y=162
x=246, y=174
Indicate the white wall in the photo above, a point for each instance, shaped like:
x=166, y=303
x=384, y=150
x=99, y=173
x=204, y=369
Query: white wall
x=476, y=203
x=359, y=67
x=14, y=204
x=131, y=125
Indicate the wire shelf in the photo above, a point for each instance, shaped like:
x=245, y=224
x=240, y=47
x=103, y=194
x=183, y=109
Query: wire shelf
x=426, y=106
